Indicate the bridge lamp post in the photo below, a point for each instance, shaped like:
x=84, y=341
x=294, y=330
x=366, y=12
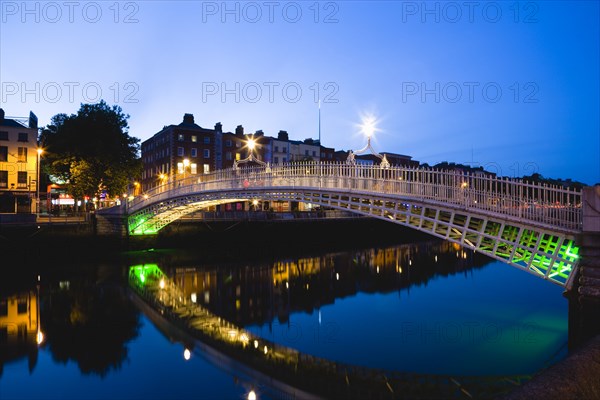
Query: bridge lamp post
x=368, y=127
x=251, y=145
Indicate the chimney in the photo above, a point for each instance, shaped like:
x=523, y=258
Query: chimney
x=259, y=133
x=283, y=135
x=1, y=116
x=188, y=118
x=219, y=127
x=239, y=131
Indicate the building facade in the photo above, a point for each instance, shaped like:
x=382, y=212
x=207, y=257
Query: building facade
x=180, y=151
x=18, y=164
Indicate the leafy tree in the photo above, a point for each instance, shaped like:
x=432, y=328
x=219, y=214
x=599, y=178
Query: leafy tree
x=92, y=151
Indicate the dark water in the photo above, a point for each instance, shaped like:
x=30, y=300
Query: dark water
x=424, y=307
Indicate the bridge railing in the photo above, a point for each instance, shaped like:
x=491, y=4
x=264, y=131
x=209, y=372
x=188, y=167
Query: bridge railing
x=555, y=206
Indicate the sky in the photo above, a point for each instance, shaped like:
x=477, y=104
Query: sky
x=511, y=86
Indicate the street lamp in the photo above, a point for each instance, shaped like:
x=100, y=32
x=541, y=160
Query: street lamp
x=368, y=127
x=186, y=163
x=251, y=145
x=37, y=196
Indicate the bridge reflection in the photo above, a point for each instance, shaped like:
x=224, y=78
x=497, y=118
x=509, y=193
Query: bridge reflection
x=259, y=293
x=205, y=306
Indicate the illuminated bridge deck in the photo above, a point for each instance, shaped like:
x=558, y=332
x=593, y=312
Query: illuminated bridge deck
x=530, y=226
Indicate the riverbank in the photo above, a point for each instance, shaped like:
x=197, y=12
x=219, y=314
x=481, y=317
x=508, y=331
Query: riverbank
x=576, y=377
x=248, y=239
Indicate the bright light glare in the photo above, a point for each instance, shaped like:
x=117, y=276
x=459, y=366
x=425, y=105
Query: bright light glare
x=368, y=125
x=187, y=354
x=162, y=284
x=40, y=338
x=252, y=395
x=251, y=144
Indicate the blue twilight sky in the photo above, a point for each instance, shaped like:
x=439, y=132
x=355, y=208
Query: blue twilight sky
x=513, y=86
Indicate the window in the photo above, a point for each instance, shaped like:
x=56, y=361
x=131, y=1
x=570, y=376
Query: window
x=206, y=168
x=228, y=143
x=23, y=137
x=22, y=179
x=238, y=156
x=194, y=152
x=283, y=159
x=276, y=160
x=3, y=135
x=3, y=179
x=284, y=149
x=180, y=137
x=276, y=149
x=314, y=153
x=22, y=305
x=194, y=138
x=206, y=140
x=22, y=155
x=194, y=168
x=206, y=153
x=180, y=168
x=180, y=151
x=305, y=152
x=238, y=144
x=3, y=153
x=228, y=156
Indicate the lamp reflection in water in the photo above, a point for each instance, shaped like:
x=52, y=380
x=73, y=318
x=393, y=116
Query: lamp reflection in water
x=187, y=354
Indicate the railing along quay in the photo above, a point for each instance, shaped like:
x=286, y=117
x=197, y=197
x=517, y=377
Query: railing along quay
x=549, y=205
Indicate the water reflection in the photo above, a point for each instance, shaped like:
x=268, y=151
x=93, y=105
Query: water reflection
x=90, y=324
x=83, y=321
x=20, y=330
x=261, y=293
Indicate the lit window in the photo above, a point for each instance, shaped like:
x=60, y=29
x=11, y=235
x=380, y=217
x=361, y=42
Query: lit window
x=22, y=154
x=238, y=156
x=206, y=168
x=194, y=138
x=3, y=179
x=22, y=179
x=180, y=168
x=194, y=168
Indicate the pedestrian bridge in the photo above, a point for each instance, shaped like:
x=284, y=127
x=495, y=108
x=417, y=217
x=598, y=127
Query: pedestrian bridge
x=530, y=226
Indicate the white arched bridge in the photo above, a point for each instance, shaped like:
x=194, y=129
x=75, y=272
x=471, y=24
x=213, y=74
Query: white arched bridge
x=530, y=226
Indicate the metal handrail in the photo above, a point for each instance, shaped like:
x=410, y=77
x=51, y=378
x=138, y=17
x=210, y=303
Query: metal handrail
x=529, y=202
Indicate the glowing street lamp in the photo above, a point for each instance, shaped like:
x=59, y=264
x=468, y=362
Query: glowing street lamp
x=368, y=127
x=251, y=145
x=37, y=196
x=186, y=164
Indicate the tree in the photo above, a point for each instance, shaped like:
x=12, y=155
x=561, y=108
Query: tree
x=92, y=151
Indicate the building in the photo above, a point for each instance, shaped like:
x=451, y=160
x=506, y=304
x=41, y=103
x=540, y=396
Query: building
x=181, y=151
x=18, y=164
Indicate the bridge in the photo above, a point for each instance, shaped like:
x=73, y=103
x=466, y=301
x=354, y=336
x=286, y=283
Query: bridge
x=527, y=225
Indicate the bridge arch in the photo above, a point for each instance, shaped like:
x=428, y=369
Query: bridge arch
x=531, y=227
